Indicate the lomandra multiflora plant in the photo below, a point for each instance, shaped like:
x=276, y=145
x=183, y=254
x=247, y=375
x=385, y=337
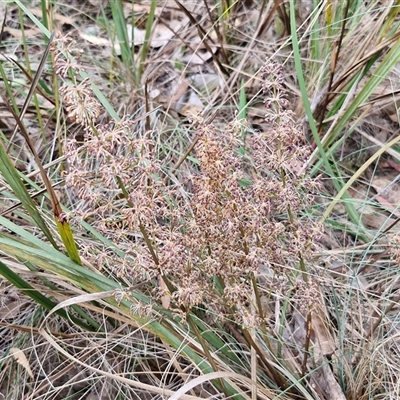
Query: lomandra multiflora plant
x=221, y=237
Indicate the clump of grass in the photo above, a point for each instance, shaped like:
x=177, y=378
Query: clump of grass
x=209, y=235
x=219, y=239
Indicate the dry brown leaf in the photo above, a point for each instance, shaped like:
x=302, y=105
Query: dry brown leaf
x=62, y=19
x=17, y=33
x=186, y=103
x=94, y=39
x=393, y=164
x=371, y=216
x=96, y=3
x=191, y=110
x=322, y=380
x=21, y=359
x=178, y=92
x=321, y=334
x=207, y=82
x=387, y=187
x=388, y=195
x=29, y=33
x=198, y=58
x=160, y=37
x=168, y=8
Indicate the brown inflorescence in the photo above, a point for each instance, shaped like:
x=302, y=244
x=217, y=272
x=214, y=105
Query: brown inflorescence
x=237, y=215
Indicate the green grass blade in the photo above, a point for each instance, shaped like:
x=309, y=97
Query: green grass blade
x=92, y=283
x=388, y=63
x=12, y=177
x=38, y=297
x=353, y=214
x=146, y=44
x=44, y=4
x=64, y=229
x=122, y=33
x=357, y=174
x=32, y=17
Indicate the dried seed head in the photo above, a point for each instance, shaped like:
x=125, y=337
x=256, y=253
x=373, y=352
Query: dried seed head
x=81, y=105
x=243, y=215
x=66, y=56
x=307, y=296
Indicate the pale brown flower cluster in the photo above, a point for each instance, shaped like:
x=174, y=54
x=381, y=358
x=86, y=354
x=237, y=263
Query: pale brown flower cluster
x=238, y=214
x=80, y=103
x=307, y=296
x=66, y=56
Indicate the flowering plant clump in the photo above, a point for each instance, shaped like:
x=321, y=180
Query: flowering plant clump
x=237, y=215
